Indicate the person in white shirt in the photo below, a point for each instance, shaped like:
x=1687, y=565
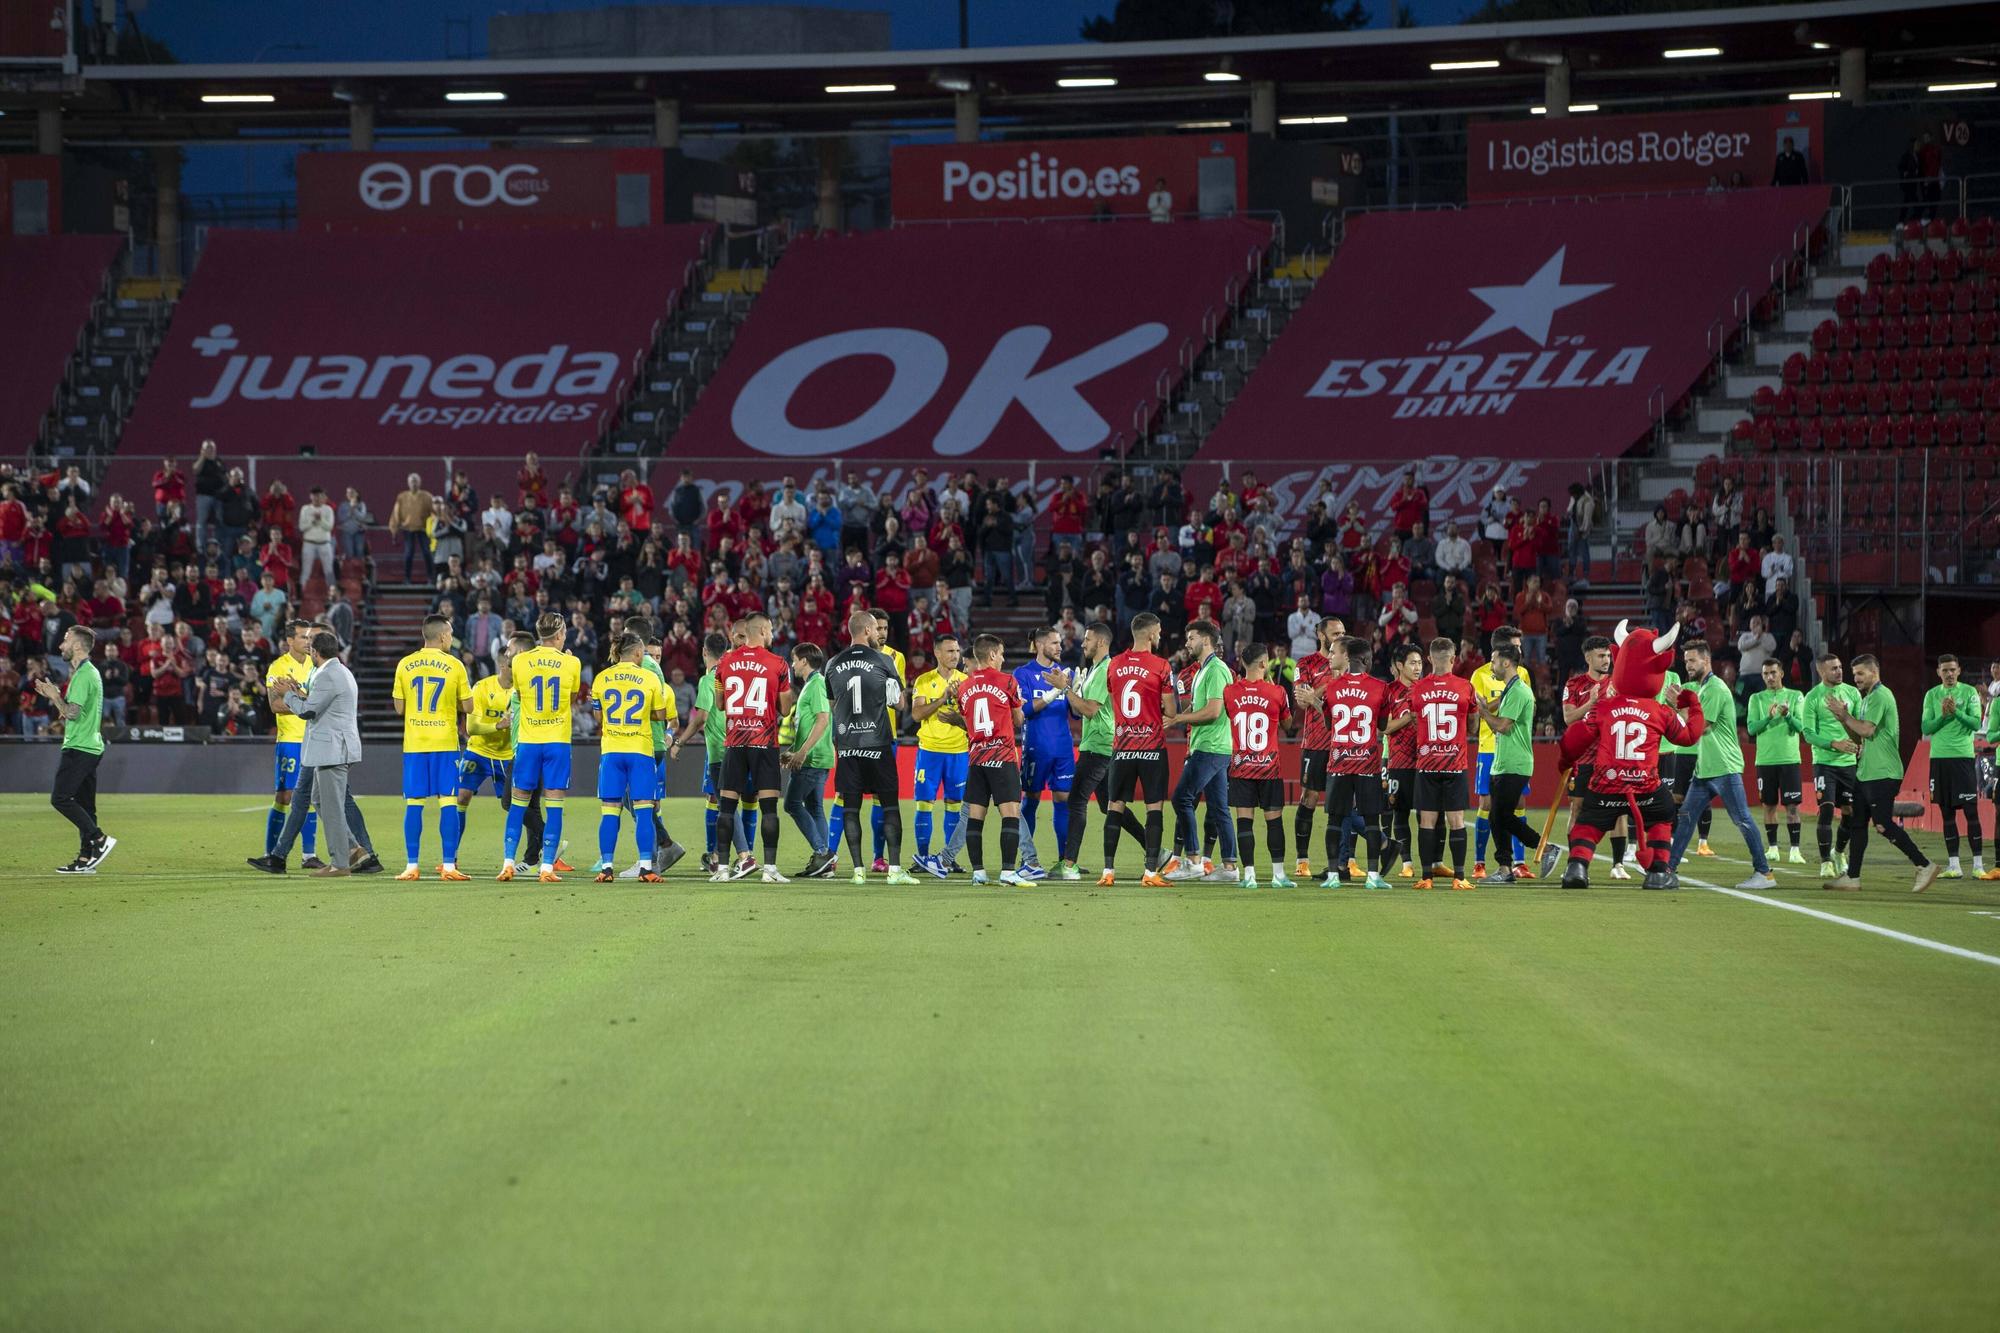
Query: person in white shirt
x=1454, y=553
x=316, y=535
x=497, y=523
x=1303, y=626
x=1756, y=645
x=1777, y=565
x=1160, y=203
x=790, y=507
x=1493, y=517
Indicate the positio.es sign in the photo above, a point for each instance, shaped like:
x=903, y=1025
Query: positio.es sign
x=1058, y=177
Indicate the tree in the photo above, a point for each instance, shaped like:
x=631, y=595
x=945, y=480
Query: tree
x=1171, y=20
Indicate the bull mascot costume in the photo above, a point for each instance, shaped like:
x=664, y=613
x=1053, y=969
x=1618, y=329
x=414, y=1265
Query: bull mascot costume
x=1618, y=745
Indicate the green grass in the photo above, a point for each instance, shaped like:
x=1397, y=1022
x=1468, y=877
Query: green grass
x=235, y=1102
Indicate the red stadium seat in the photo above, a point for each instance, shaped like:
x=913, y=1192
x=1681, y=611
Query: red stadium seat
x=1909, y=364
x=1923, y=431
x=1894, y=302
x=1785, y=431
x=1805, y=400
x=1825, y=334
x=1794, y=370
x=1764, y=401
x=1853, y=399
x=1899, y=432
x=1879, y=434
x=1948, y=432
x=1963, y=329
x=1922, y=395
x=1848, y=304
x=1810, y=436
x=1765, y=439
x=1841, y=367
x=1899, y=398
x=1744, y=432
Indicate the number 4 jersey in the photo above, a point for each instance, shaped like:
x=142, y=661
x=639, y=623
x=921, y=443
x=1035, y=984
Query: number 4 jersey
x=1356, y=708
x=988, y=698
x=1443, y=709
x=748, y=682
x=1257, y=711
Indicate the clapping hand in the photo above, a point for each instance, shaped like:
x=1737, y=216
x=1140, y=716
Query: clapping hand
x=48, y=689
x=1950, y=706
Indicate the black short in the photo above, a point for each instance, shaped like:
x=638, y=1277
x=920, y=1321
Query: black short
x=1579, y=779
x=1441, y=792
x=1360, y=792
x=1780, y=784
x=1602, y=810
x=992, y=784
x=1256, y=793
x=1677, y=774
x=1402, y=788
x=869, y=772
x=1833, y=784
x=1092, y=777
x=1876, y=799
x=1312, y=770
x=1140, y=771
x=748, y=770
x=1955, y=784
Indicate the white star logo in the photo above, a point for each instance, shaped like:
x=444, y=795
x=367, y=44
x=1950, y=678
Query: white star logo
x=1530, y=306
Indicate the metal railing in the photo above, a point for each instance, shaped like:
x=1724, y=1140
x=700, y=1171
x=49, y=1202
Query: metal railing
x=1878, y=205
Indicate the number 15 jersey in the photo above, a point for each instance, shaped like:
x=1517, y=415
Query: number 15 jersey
x=1443, y=706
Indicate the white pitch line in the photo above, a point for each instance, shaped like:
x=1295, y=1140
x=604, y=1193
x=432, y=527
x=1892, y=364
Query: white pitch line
x=1870, y=927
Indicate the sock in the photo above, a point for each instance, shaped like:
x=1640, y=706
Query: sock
x=1130, y=823
x=607, y=833
x=1302, y=831
x=708, y=826
x=1246, y=839
x=875, y=818
x=1618, y=848
x=448, y=831
x=1660, y=842
x=1707, y=823
x=1951, y=834
x=1771, y=832
x=1972, y=832
x=1428, y=846
x=1153, y=826
x=274, y=823
x=649, y=841
x=725, y=823
x=1583, y=843
x=1825, y=831
x=836, y=829
x=1113, y=827
x=923, y=828
x=953, y=812
x=1857, y=845
x=892, y=833
x=1026, y=819
x=1457, y=838
x=1333, y=857
x=1483, y=832
x=517, y=814
x=413, y=829
x=1010, y=839
x=1274, y=834
x=552, y=820
x=311, y=834
x=746, y=824
x=1372, y=835
x=767, y=806
x=1792, y=828
x=1060, y=818
x=975, y=841
x=464, y=822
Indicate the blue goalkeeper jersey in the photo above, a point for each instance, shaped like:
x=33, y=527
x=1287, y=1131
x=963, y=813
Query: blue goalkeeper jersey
x=1047, y=707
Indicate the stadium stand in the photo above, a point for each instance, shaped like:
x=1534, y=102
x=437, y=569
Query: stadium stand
x=53, y=286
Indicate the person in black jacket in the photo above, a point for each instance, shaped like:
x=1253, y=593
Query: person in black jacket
x=1168, y=501
x=686, y=507
x=1791, y=167
x=209, y=479
x=239, y=511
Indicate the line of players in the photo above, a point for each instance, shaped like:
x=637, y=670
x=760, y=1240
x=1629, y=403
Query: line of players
x=1376, y=753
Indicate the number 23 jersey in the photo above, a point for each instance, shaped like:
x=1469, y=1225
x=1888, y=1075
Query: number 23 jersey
x=1356, y=707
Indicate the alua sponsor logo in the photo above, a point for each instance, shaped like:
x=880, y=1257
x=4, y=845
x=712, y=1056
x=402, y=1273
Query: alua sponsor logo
x=476, y=389
x=1449, y=381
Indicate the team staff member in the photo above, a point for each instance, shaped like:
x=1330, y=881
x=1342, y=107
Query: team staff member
x=1833, y=764
x=1486, y=686
x=289, y=732
x=81, y=708
x=991, y=702
x=1580, y=694
x=1510, y=716
x=546, y=681
x=431, y=694
x=941, y=749
x=1951, y=720
x=1440, y=707
x=753, y=685
x=1205, y=770
x=1139, y=684
x=707, y=717
x=1874, y=730
x=1992, y=741
x=1773, y=718
x=1258, y=712
x=1090, y=699
x=629, y=699
x=811, y=756
x=1718, y=769
x=1677, y=761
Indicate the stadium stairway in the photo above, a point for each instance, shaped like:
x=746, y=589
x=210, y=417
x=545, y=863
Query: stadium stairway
x=394, y=617
x=106, y=372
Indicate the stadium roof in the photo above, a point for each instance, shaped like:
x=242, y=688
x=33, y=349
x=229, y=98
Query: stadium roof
x=1759, y=53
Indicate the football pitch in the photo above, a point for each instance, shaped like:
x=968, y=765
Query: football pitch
x=231, y=1101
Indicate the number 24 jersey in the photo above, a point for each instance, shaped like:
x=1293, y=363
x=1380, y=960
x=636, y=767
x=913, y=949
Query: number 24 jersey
x=748, y=682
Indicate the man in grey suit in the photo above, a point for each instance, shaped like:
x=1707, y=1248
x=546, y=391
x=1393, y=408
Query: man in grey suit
x=331, y=707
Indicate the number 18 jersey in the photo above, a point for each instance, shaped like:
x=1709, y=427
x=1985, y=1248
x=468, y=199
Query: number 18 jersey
x=1443, y=706
x=1257, y=710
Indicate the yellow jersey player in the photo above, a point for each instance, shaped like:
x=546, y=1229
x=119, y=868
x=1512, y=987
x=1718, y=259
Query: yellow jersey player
x=941, y=752
x=546, y=681
x=431, y=692
x=1486, y=687
x=296, y=663
x=489, y=740
x=629, y=699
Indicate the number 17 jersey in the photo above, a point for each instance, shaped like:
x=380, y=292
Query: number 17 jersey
x=431, y=685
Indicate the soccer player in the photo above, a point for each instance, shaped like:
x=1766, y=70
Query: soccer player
x=709, y=720
x=1718, y=768
x=431, y=694
x=1406, y=663
x=1874, y=727
x=862, y=685
x=941, y=751
x=1772, y=717
x=1440, y=708
x=1510, y=716
x=1951, y=720
x=1580, y=694
x=1258, y=713
x=290, y=732
x=991, y=702
x=1356, y=705
x=629, y=699
x=878, y=639
x=810, y=756
x=1987, y=761
x=1048, y=761
x=1090, y=699
x=1313, y=670
x=1138, y=685
x=546, y=681
x=81, y=708
x=1833, y=766
x=1205, y=770
x=1486, y=686
x=754, y=687
x=489, y=743
x=669, y=851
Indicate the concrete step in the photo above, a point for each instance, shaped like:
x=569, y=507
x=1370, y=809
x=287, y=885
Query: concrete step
x=1857, y=253
x=1772, y=350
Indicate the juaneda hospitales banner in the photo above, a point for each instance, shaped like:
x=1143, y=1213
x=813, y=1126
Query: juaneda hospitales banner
x=1592, y=154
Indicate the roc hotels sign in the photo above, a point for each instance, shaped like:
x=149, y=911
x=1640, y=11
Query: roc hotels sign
x=1068, y=178
x=1678, y=150
x=557, y=187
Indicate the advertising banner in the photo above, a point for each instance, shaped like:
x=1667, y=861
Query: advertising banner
x=30, y=194
x=423, y=345
x=554, y=187
x=49, y=283
x=1674, y=150
x=1068, y=178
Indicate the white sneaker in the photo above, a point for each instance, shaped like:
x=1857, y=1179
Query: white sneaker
x=771, y=876
x=744, y=865
x=1758, y=881
x=1618, y=871
x=1013, y=878
x=1191, y=867
x=523, y=868
x=630, y=872
x=979, y=877
x=722, y=875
